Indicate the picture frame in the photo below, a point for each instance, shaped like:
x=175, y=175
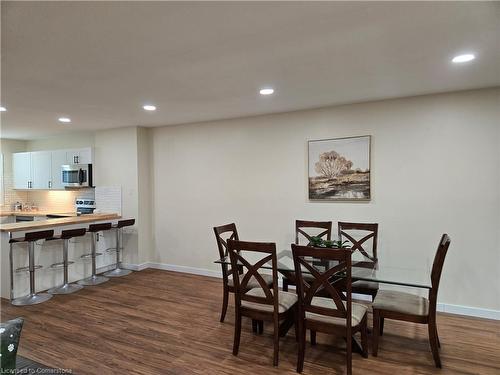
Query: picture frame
x=339, y=169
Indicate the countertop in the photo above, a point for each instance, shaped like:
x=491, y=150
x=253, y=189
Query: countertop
x=52, y=223
x=34, y=213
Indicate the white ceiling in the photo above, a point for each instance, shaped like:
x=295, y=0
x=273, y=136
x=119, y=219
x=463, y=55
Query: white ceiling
x=99, y=62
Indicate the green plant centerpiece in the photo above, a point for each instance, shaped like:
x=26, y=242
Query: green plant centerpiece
x=335, y=244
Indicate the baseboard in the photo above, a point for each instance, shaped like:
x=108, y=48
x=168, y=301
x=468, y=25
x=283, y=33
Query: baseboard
x=468, y=311
x=441, y=307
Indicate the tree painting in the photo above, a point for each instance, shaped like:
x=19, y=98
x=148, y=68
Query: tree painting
x=339, y=169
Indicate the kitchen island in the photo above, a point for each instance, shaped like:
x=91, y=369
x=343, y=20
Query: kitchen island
x=48, y=253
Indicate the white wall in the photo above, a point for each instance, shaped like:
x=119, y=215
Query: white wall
x=435, y=169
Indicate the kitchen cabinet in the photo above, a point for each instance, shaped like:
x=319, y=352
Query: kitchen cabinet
x=21, y=166
x=41, y=170
x=79, y=156
x=58, y=159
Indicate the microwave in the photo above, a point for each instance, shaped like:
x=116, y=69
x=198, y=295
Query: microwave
x=76, y=175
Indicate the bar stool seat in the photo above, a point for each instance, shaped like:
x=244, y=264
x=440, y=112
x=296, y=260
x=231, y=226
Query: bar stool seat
x=95, y=279
x=118, y=271
x=66, y=235
x=32, y=298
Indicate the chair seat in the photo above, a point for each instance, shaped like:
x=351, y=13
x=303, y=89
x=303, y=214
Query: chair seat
x=361, y=284
x=358, y=312
x=286, y=300
x=401, y=302
x=252, y=283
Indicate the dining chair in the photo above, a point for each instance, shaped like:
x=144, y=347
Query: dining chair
x=261, y=303
x=305, y=230
x=412, y=308
x=334, y=314
x=222, y=233
x=351, y=232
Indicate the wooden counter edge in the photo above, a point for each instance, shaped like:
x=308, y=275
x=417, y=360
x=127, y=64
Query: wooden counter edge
x=52, y=223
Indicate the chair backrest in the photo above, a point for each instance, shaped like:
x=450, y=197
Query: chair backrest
x=222, y=234
x=437, y=268
x=264, y=252
x=302, y=225
x=348, y=231
x=334, y=266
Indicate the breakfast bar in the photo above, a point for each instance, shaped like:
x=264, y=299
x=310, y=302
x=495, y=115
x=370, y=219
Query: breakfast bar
x=47, y=254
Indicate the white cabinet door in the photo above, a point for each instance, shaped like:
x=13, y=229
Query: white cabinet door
x=72, y=156
x=85, y=156
x=79, y=156
x=58, y=159
x=41, y=166
x=21, y=167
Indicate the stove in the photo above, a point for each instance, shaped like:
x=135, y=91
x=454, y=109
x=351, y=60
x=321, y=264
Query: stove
x=85, y=205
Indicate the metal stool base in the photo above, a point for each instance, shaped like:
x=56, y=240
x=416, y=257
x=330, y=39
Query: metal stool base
x=93, y=280
x=31, y=299
x=118, y=272
x=65, y=289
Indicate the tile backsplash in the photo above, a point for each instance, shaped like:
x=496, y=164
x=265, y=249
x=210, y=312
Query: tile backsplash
x=55, y=200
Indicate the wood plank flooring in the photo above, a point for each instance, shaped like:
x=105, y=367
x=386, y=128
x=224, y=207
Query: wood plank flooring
x=160, y=322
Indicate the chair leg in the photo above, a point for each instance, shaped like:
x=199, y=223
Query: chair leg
x=260, y=326
x=439, y=342
x=382, y=320
x=302, y=345
x=237, y=333
x=254, y=326
x=296, y=322
x=225, y=300
x=285, y=284
x=376, y=331
x=313, y=337
x=433, y=339
x=276, y=335
x=349, y=354
x=364, y=336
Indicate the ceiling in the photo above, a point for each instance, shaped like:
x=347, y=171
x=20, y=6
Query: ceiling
x=98, y=63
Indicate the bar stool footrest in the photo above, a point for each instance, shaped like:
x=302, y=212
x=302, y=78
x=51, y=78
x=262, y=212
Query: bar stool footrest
x=86, y=256
x=26, y=269
x=60, y=264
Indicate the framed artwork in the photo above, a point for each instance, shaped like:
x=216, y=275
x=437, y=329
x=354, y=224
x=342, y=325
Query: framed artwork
x=339, y=169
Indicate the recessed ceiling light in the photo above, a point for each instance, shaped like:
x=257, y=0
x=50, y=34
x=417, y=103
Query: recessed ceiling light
x=266, y=91
x=64, y=119
x=463, y=58
x=149, y=107
x=3, y=109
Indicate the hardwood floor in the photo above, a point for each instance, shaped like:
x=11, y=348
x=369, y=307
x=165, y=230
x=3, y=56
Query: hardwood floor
x=159, y=322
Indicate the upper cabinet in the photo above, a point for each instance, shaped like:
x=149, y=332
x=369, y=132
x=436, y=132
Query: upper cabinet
x=58, y=159
x=21, y=167
x=42, y=169
x=79, y=156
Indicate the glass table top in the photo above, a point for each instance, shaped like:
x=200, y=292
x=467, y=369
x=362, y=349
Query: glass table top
x=362, y=269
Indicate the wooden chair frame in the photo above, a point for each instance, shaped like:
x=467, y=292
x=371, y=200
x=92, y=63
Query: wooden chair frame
x=268, y=250
x=324, y=283
x=429, y=319
x=357, y=245
x=299, y=225
x=223, y=252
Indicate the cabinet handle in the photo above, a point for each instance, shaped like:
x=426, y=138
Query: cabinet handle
x=78, y=160
x=74, y=159
x=50, y=184
x=28, y=184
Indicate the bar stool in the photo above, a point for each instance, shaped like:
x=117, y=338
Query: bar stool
x=66, y=235
x=118, y=271
x=94, y=279
x=33, y=298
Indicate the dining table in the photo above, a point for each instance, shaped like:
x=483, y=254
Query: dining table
x=362, y=268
